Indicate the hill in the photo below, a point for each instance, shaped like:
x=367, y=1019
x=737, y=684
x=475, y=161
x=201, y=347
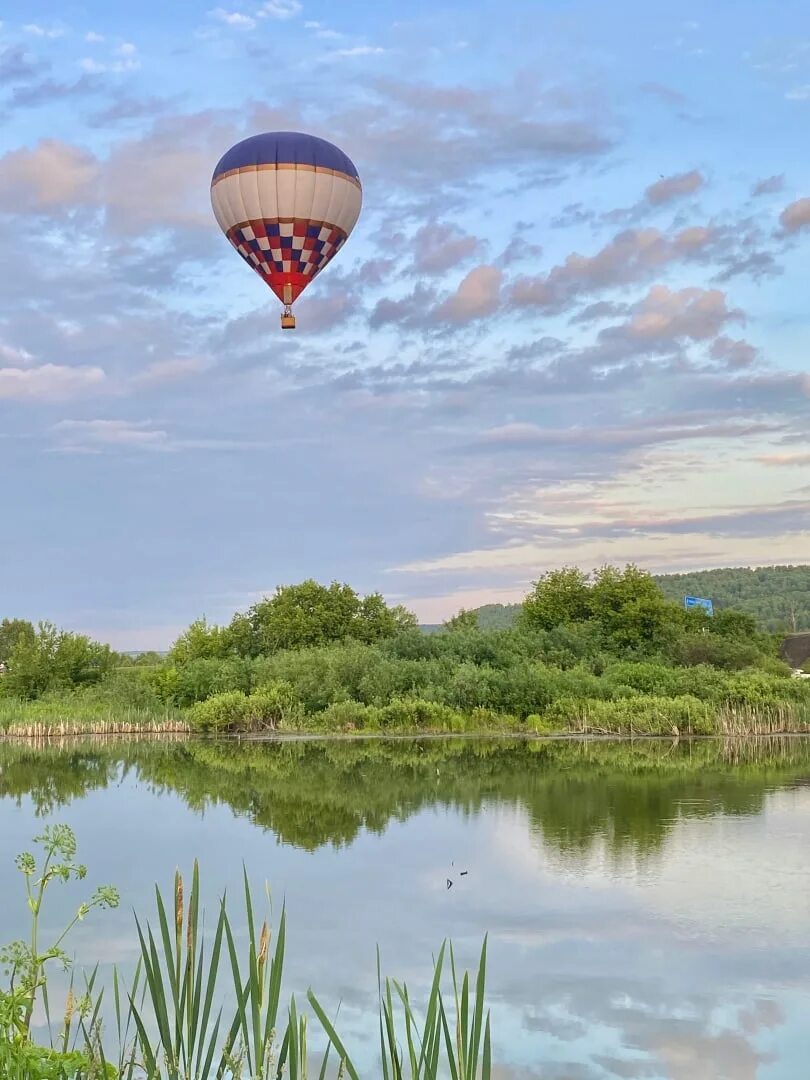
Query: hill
x=777, y=596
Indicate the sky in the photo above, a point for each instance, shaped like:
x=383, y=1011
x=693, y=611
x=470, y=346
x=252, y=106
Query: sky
x=570, y=327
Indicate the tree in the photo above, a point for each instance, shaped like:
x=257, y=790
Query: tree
x=11, y=631
x=201, y=642
x=559, y=597
x=466, y=619
x=54, y=659
x=737, y=625
x=309, y=614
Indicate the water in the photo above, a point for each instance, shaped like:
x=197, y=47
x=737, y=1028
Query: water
x=647, y=905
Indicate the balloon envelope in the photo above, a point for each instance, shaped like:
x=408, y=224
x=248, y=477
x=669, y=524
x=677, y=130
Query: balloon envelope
x=287, y=202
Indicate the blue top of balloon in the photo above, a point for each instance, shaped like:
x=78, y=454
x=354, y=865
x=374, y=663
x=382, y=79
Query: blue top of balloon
x=286, y=148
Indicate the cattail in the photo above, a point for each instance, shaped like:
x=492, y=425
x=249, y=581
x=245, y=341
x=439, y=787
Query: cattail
x=178, y=903
x=264, y=941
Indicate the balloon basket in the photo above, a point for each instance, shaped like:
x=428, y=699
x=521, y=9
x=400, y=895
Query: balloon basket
x=287, y=322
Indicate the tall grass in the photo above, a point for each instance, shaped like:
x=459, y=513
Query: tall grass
x=199, y=1009
x=185, y=1032
x=78, y=714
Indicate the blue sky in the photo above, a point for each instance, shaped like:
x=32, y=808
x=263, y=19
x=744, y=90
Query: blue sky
x=571, y=325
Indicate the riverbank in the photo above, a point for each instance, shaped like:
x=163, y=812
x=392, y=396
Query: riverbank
x=635, y=717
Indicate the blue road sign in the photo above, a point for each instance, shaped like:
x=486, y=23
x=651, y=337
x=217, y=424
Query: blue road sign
x=699, y=601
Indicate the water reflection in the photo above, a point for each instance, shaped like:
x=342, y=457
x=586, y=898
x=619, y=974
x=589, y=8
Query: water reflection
x=626, y=796
x=647, y=903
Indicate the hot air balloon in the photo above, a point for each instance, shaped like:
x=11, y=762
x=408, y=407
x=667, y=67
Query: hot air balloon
x=287, y=202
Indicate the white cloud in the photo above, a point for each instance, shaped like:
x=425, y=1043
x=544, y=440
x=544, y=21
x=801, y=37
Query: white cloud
x=799, y=93
x=93, y=433
x=236, y=19
x=477, y=295
x=279, y=9
x=92, y=436
x=10, y=354
x=665, y=315
x=115, y=67
x=51, y=174
x=43, y=31
x=358, y=50
x=93, y=38
x=48, y=382
x=322, y=31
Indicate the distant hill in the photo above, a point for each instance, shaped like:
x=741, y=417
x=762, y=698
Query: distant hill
x=777, y=596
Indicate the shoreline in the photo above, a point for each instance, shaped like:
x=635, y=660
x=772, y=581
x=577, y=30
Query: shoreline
x=183, y=734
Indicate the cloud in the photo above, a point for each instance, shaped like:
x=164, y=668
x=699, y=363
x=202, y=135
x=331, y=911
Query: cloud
x=630, y=256
x=439, y=247
x=94, y=38
x=521, y=247
x=35, y=30
x=15, y=66
x=674, y=187
x=770, y=185
x=89, y=434
x=148, y=182
x=321, y=31
x=279, y=9
x=519, y=436
x=796, y=216
x=48, y=382
x=125, y=109
x=799, y=93
x=177, y=368
x=664, y=93
x=51, y=175
x=736, y=354
x=126, y=60
x=477, y=295
x=10, y=354
x=358, y=50
x=664, y=315
x=602, y=309
x=409, y=310
x=48, y=91
x=785, y=460
x=236, y=19
x=92, y=436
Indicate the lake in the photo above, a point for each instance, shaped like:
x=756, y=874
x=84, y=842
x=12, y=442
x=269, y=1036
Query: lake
x=647, y=903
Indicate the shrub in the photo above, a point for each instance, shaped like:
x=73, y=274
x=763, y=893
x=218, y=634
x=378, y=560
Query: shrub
x=726, y=653
x=220, y=713
x=647, y=676
x=349, y=716
x=272, y=706
x=416, y=713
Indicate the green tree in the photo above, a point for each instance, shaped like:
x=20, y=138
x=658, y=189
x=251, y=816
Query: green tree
x=55, y=659
x=309, y=614
x=631, y=610
x=559, y=597
x=12, y=631
x=464, y=620
x=737, y=625
x=201, y=642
